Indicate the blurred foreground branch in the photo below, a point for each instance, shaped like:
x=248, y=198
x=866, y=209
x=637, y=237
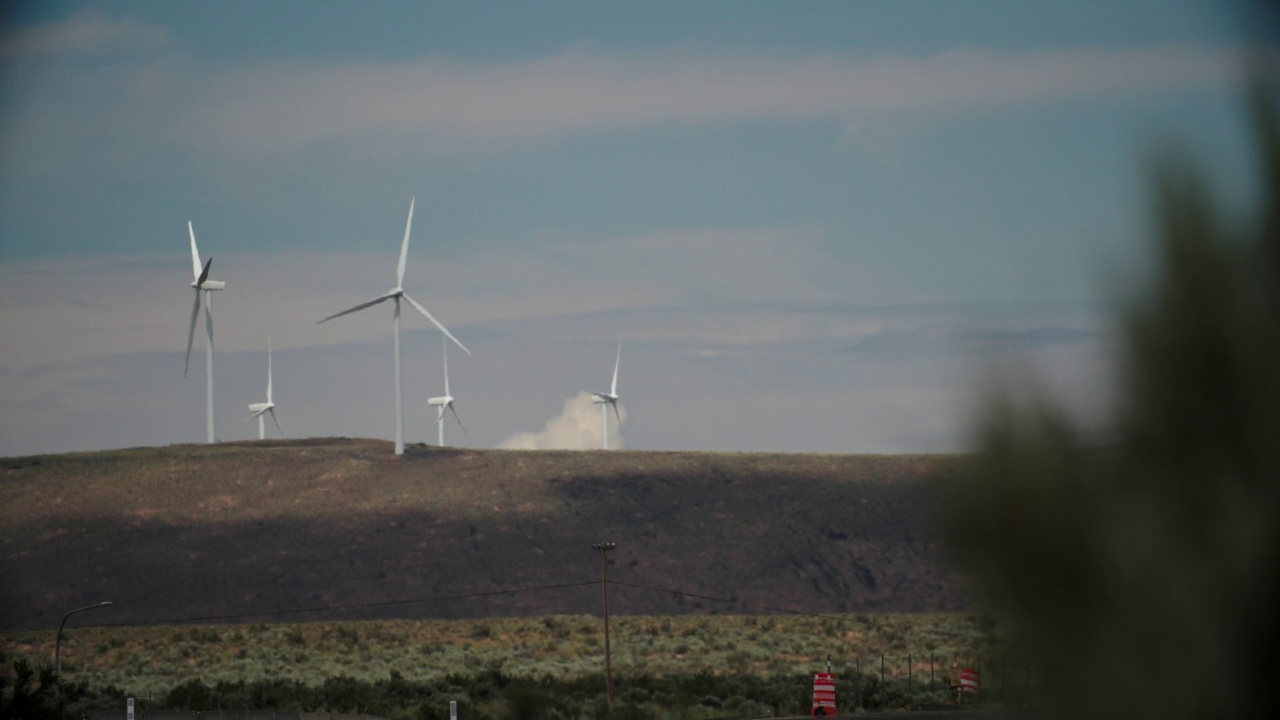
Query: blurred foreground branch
x=1143, y=575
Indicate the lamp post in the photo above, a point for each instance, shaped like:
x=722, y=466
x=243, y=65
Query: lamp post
x=604, y=548
x=57, y=643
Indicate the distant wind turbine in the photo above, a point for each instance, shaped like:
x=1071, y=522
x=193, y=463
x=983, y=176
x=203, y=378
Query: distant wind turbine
x=445, y=401
x=202, y=282
x=606, y=400
x=395, y=294
x=265, y=408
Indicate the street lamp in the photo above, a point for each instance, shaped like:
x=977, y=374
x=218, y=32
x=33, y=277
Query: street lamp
x=57, y=644
x=604, y=548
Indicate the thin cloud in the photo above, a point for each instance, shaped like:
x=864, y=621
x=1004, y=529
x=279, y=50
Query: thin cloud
x=86, y=33
x=444, y=101
x=106, y=306
x=899, y=343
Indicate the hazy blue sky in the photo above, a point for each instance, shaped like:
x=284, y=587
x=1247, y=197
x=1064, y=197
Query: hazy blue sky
x=814, y=226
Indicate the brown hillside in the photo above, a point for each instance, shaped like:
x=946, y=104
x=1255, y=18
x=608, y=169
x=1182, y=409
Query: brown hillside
x=242, y=530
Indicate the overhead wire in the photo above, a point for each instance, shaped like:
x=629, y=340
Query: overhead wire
x=348, y=606
x=729, y=601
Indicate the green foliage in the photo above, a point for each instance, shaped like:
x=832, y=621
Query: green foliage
x=29, y=694
x=1146, y=571
x=527, y=701
x=80, y=697
x=191, y=695
x=532, y=667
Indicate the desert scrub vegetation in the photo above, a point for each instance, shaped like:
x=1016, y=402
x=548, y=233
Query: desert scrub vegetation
x=692, y=666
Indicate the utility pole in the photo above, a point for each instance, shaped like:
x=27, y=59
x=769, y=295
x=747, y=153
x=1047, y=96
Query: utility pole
x=604, y=548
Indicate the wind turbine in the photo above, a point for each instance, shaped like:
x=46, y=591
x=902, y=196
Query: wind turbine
x=264, y=408
x=395, y=294
x=445, y=401
x=201, y=282
x=605, y=400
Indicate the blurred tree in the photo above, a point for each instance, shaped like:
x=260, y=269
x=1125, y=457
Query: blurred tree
x=28, y=695
x=1143, y=576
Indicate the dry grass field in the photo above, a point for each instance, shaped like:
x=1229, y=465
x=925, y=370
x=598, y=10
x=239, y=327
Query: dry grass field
x=280, y=531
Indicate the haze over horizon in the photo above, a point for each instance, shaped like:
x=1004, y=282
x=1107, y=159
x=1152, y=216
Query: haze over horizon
x=818, y=227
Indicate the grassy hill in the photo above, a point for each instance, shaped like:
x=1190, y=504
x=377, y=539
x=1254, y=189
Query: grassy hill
x=256, y=531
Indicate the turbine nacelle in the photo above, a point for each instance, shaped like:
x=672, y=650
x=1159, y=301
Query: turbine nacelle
x=437, y=401
x=209, y=285
x=259, y=408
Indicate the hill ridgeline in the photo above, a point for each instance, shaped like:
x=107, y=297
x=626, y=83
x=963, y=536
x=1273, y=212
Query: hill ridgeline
x=327, y=529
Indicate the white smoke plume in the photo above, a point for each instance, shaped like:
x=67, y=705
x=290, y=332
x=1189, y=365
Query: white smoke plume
x=577, y=427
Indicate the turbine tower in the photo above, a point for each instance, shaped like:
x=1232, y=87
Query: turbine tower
x=265, y=408
x=445, y=401
x=605, y=400
x=395, y=294
x=201, y=282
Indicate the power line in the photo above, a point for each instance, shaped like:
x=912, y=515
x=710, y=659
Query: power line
x=352, y=606
x=728, y=601
x=464, y=596
x=754, y=606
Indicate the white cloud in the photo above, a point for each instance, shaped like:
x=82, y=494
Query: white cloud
x=577, y=427
x=86, y=33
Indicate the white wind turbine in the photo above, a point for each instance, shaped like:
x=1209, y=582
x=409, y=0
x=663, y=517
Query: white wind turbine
x=395, y=294
x=265, y=408
x=605, y=400
x=445, y=401
x=201, y=282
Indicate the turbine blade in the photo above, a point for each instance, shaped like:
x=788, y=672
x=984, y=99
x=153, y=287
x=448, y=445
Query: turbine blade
x=613, y=389
x=617, y=415
x=204, y=274
x=435, y=322
x=274, y=420
x=191, y=333
x=255, y=414
x=195, y=254
x=361, y=306
x=404, y=247
x=459, y=419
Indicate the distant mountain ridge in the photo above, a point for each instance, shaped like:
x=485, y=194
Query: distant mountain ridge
x=322, y=529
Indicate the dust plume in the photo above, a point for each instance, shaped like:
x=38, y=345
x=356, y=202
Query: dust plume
x=577, y=427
